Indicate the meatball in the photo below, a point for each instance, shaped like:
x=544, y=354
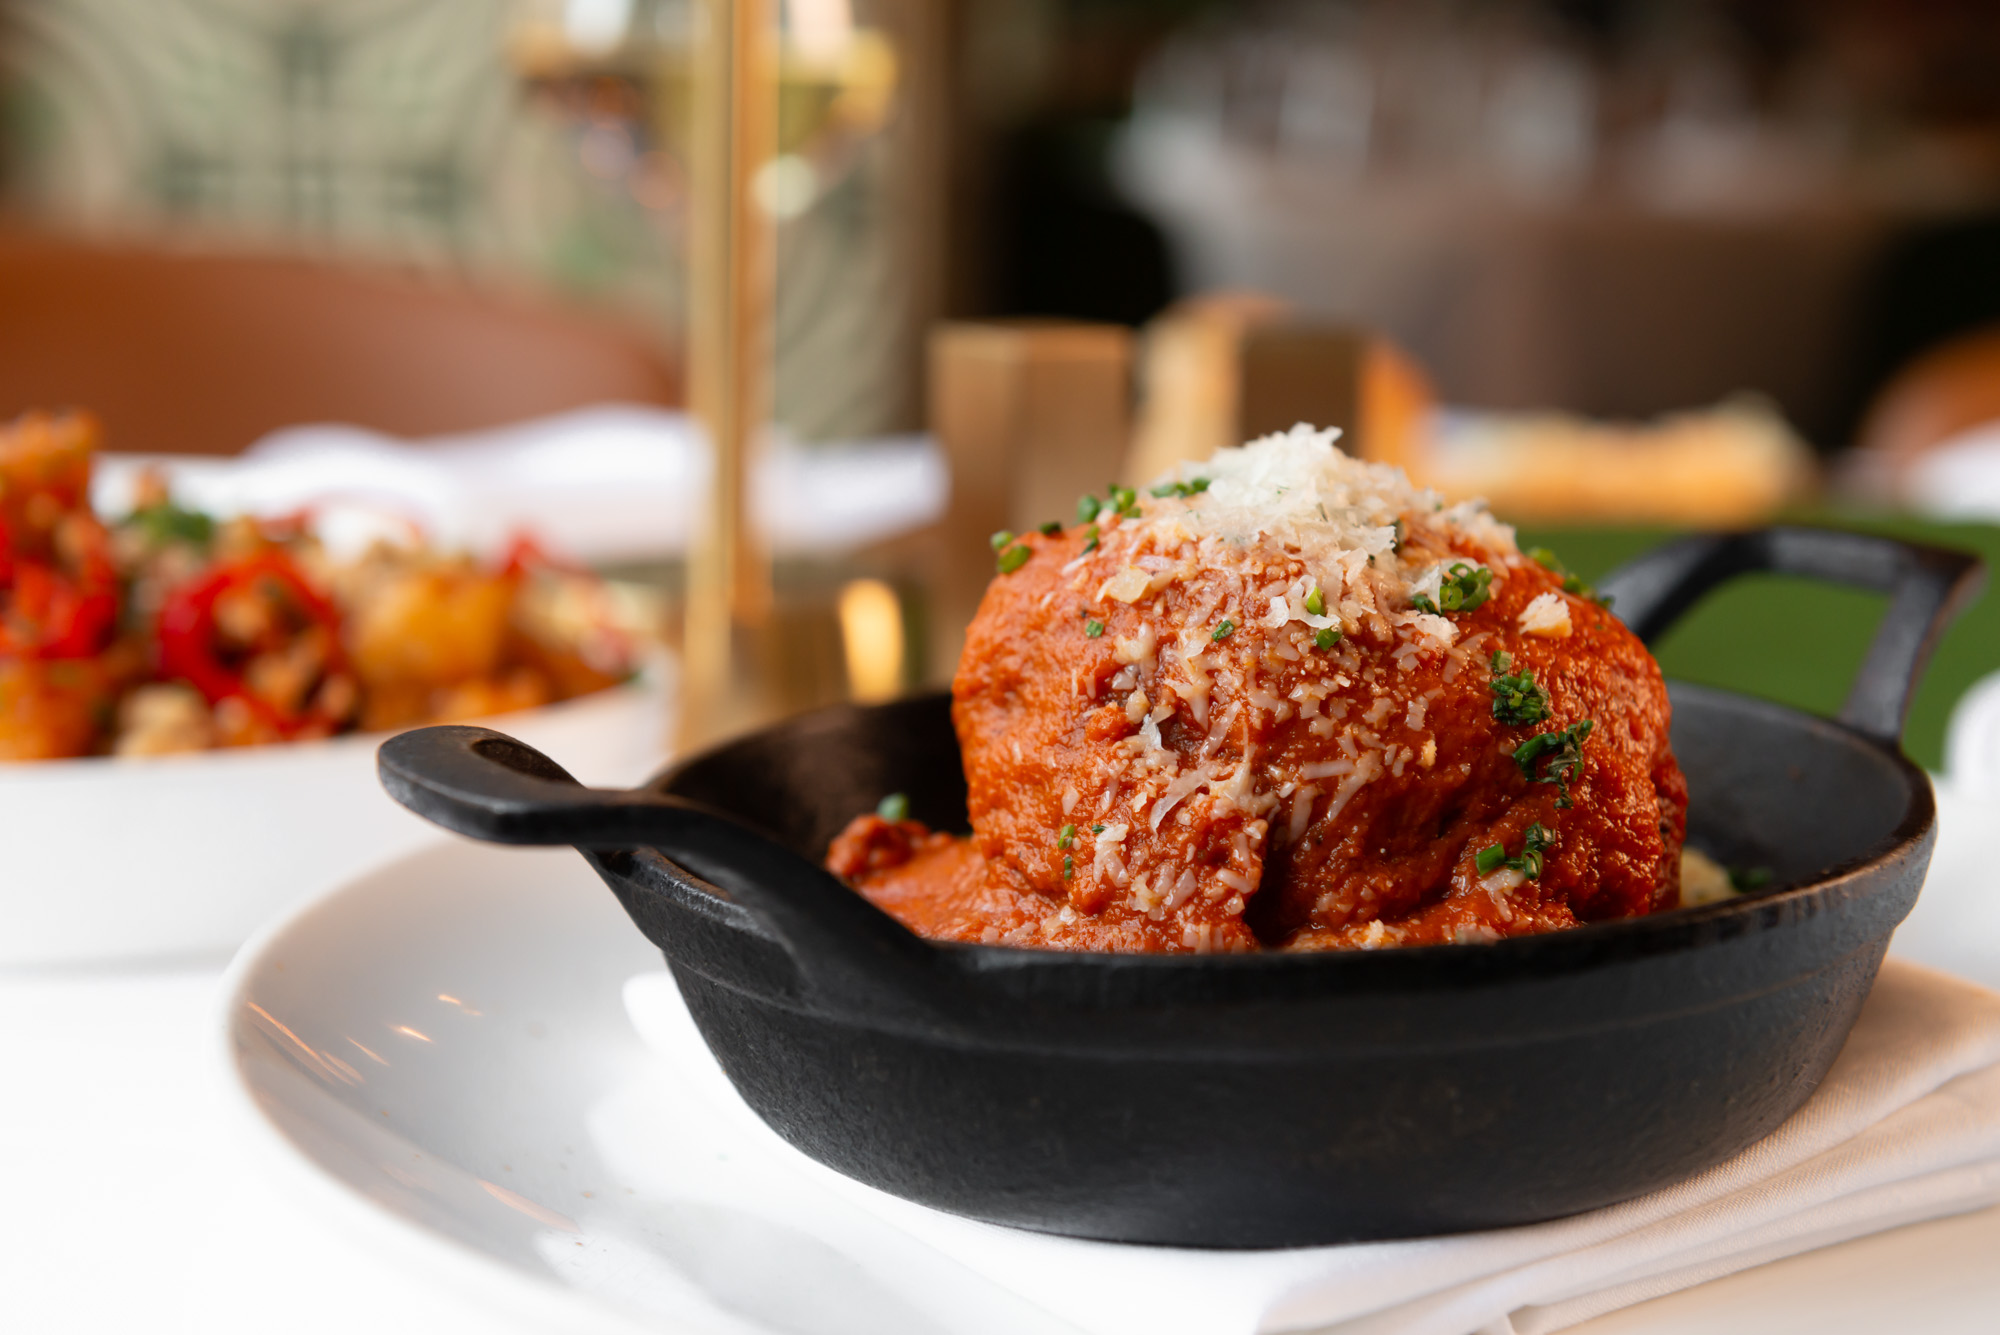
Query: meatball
x=1290, y=701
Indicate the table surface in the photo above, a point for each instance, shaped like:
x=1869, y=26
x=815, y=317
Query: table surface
x=128, y=1206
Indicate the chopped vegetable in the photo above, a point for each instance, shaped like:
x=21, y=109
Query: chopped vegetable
x=1223, y=631
x=1316, y=603
x=1326, y=638
x=1744, y=879
x=1464, y=588
x=1001, y=539
x=1090, y=538
x=1182, y=489
x=895, y=808
x=1554, y=757
x=1087, y=507
x=1050, y=529
x=167, y=522
x=1093, y=628
x=255, y=631
x=1534, y=842
x=1517, y=700
x=1548, y=561
x=1066, y=836
x=1013, y=559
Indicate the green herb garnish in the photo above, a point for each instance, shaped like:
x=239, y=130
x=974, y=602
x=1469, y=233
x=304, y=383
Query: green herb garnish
x=895, y=808
x=1090, y=538
x=1326, y=638
x=1397, y=546
x=1745, y=879
x=1000, y=539
x=1097, y=829
x=1087, y=507
x=1066, y=836
x=1069, y=866
x=1554, y=757
x=1529, y=863
x=1123, y=499
x=1517, y=700
x=1093, y=628
x=1316, y=603
x=1223, y=631
x=1548, y=561
x=167, y=522
x=1050, y=529
x=1463, y=588
x=1182, y=489
x=1013, y=559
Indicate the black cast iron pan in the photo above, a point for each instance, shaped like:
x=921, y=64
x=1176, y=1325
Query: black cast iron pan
x=1270, y=1100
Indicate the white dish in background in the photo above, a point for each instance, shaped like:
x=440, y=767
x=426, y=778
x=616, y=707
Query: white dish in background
x=108, y=859
x=438, y=1057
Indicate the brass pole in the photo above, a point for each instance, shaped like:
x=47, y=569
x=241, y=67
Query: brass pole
x=730, y=273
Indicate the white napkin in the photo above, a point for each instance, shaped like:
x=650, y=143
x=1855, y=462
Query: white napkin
x=610, y=483
x=1906, y=1127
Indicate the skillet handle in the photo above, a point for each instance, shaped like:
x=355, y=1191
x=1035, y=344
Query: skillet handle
x=1927, y=587
x=853, y=957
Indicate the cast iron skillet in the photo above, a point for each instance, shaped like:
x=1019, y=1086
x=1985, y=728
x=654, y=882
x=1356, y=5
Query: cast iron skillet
x=1269, y=1100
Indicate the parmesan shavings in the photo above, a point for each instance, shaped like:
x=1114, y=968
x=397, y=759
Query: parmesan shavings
x=1547, y=616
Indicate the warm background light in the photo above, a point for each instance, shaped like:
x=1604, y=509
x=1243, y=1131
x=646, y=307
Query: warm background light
x=871, y=632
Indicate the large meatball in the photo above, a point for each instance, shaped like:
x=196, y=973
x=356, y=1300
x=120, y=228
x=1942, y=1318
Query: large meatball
x=1290, y=701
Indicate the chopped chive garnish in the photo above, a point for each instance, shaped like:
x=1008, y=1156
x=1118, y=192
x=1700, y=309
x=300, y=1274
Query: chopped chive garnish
x=1182, y=489
x=1517, y=700
x=1223, y=631
x=1090, y=538
x=1397, y=546
x=1093, y=628
x=1326, y=638
x=1464, y=588
x=1066, y=836
x=1097, y=829
x=1013, y=559
x=1069, y=866
x=1554, y=757
x=1316, y=603
x=1534, y=842
x=1087, y=507
x=1745, y=879
x=1001, y=539
x=1500, y=662
x=1548, y=561
x=1050, y=529
x=894, y=808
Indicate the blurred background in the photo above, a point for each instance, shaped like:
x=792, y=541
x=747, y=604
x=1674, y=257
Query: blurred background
x=1626, y=266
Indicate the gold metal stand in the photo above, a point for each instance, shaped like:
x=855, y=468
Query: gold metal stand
x=731, y=280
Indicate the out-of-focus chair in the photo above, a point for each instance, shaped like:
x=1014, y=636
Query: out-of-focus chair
x=202, y=353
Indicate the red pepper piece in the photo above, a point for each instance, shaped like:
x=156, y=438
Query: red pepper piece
x=189, y=638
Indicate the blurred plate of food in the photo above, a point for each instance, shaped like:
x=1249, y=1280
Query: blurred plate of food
x=190, y=705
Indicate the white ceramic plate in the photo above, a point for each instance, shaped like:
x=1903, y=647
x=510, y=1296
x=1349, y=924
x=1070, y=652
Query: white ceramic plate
x=105, y=859
x=438, y=1055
